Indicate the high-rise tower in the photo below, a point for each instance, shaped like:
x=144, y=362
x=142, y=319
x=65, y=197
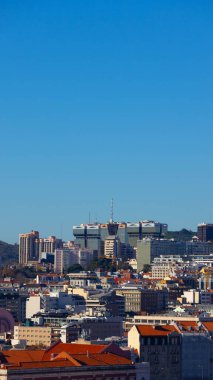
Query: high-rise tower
x=28, y=247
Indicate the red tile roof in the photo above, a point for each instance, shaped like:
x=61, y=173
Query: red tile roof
x=72, y=348
x=156, y=330
x=208, y=326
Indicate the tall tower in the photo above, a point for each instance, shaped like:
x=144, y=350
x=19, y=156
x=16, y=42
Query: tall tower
x=28, y=247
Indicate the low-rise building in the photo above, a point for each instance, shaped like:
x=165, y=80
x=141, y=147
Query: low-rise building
x=34, y=335
x=73, y=362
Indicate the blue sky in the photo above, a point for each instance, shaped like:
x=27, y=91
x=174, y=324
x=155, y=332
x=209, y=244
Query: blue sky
x=102, y=99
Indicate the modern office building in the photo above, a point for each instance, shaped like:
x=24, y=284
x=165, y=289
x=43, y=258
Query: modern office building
x=28, y=247
x=88, y=236
x=93, y=235
x=205, y=232
x=148, y=249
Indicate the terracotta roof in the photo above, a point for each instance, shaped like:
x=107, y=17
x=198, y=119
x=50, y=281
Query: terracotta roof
x=208, y=326
x=101, y=359
x=43, y=364
x=72, y=348
x=66, y=360
x=156, y=330
x=18, y=356
x=188, y=326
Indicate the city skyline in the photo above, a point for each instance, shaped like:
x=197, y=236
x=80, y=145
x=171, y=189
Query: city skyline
x=100, y=100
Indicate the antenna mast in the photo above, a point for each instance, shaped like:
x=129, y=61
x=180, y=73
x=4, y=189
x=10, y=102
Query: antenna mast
x=112, y=211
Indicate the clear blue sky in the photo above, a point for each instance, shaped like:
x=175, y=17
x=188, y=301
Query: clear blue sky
x=101, y=99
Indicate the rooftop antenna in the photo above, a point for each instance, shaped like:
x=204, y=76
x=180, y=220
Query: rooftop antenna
x=111, y=210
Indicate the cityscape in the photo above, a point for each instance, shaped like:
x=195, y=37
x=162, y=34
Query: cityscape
x=106, y=180
x=126, y=300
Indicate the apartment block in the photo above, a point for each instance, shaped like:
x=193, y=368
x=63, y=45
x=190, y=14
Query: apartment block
x=34, y=335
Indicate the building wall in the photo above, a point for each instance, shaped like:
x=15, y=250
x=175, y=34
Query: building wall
x=34, y=335
x=134, y=339
x=138, y=371
x=132, y=299
x=196, y=350
x=143, y=253
x=28, y=249
x=163, y=353
x=33, y=306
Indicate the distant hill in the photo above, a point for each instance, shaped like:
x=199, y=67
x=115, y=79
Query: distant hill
x=183, y=235
x=8, y=253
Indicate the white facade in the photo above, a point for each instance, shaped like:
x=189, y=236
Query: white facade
x=33, y=305
x=64, y=258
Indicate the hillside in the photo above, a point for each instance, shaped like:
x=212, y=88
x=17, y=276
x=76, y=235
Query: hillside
x=184, y=235
x=8, y=253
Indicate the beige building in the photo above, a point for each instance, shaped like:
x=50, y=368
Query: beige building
x=28, y=247
x=34, y=335
x=112, y=247
x=132, y=297
x=165, y=266
x=49, y=245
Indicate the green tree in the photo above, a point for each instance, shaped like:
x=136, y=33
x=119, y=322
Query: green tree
x=147, y=268
x=75, y=268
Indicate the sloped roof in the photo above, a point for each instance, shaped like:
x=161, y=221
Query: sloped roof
x=156, y=330
x=72, y=348
x=18, y=356
x=208, y=326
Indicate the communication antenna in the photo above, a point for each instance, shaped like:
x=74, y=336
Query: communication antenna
x=112, y=210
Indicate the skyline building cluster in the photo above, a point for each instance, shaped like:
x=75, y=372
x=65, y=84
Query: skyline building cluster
x=119, y=241
x=121, y=237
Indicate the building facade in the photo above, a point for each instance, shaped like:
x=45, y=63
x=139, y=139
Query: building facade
x=28, y=247
x=205, y=232
x=93, y=235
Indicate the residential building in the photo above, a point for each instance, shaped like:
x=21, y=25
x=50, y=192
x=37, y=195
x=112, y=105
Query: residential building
x=83, y=279
x=33, y=305
x=175, y=351
x=161, y=347
x=15, y=303
x=49, y=245
x=191, y=296
x=205, y=281
x=154, y=300
x=206, y=297
x=72, y=361
x=34, y=335
x=205, y=232
x=28, y=247
x=112, y=248
x=132, y=296
x=98, y=327
x=165, y=266
x=64, y=258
